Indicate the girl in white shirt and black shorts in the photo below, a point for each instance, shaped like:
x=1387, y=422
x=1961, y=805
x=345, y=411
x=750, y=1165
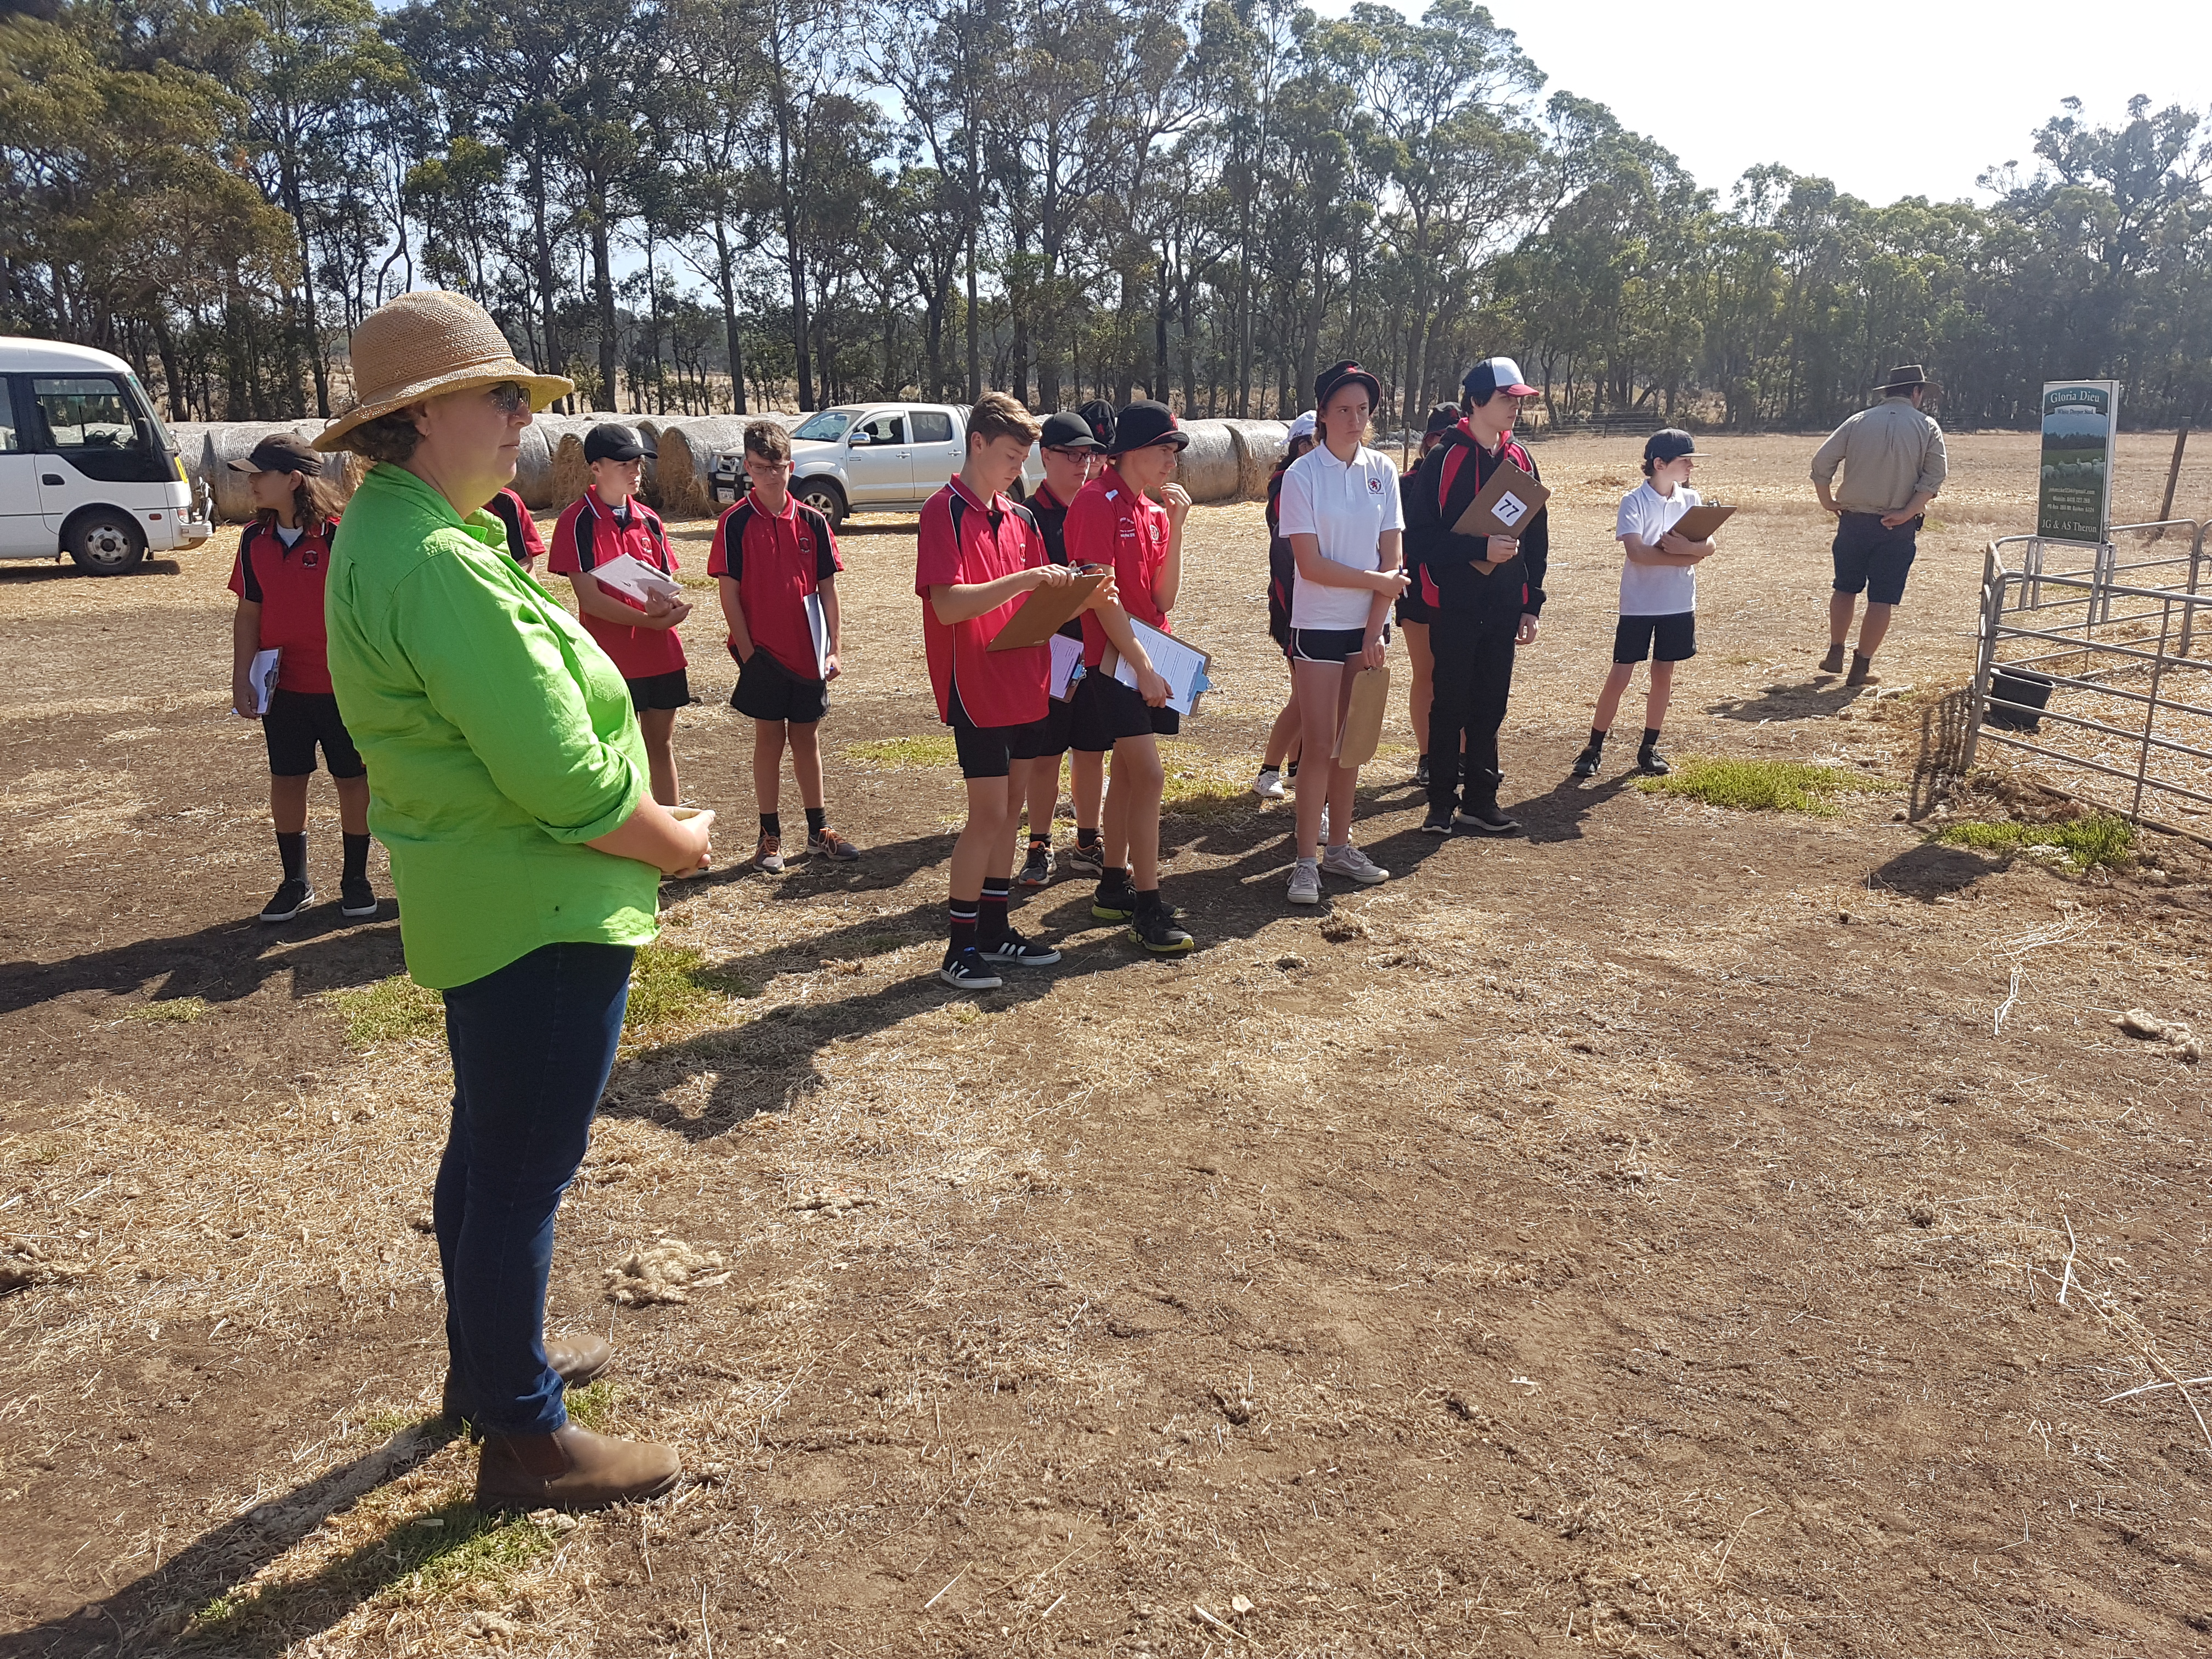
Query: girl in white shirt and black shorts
x=1341, y=509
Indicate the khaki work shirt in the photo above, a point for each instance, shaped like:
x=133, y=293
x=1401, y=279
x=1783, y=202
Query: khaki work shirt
x=1889, y=454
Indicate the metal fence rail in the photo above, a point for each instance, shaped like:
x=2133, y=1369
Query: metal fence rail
x=2108, y=637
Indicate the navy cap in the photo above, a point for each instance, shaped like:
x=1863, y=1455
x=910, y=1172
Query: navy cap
x=1098, y=416
x=1064, y=430
x=1442, y=418
x=610, y=442
x=283, y=454
x=1494, y=376
x=1671, y=444
x=1332, y=380
x=1143, y=424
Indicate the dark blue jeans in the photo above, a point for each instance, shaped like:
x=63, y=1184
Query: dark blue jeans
x=532, y=1045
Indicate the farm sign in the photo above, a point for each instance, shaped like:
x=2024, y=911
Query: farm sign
x=2074, y=501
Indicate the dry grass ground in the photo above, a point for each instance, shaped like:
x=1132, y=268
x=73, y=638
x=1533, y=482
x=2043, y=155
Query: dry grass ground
x=1677, y=1230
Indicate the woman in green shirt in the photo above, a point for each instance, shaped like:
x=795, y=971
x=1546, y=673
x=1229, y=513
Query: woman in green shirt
x=507, y=781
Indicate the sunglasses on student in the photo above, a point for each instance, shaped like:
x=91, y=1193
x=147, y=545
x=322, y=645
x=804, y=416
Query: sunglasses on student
x=509, y=397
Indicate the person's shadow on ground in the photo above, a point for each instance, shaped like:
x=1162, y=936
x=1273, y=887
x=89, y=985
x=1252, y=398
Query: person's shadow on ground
x=1805, y=700
x=321, y=949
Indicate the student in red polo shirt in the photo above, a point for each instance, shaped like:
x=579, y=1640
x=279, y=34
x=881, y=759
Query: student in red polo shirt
x=283, y=559
x=524, y=544
x=771, y=553
x=605, y=522
x=979, y=554
x=1113, y=523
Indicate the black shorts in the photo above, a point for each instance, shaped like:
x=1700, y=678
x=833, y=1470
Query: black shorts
x=295, y=723
x=766, y=690
x=1057, y=729
x=1870, y=556
x=671, y=690
x=1106, y=711
x=1411, y=608
x=989, y=752
x=1663, y=639
x=1330, y=644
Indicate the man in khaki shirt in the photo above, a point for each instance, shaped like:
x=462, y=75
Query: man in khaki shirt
x=1893, y=464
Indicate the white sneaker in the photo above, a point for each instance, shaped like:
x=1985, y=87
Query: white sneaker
x=1268, y=785
x=1349, y=861
x=1305, y=882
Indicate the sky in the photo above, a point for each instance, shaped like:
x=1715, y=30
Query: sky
x=1729, y=84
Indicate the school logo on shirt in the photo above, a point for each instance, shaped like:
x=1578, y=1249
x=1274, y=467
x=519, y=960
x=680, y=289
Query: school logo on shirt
x=1374, y=486
x=806, y=543
x=311, y=560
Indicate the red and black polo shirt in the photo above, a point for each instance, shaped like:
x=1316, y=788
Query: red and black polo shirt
x=523, y=542
x=964, y=544
x=286, y=583
x=1110, y=524
x=776, y=559
x=589, y=534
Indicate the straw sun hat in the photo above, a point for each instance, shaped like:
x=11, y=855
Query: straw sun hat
x=424, y=344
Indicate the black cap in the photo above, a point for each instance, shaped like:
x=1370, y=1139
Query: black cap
x=1442, y=418
x=1098, y=416
x=1063, y=430
x=1671, y=444
x=611, y=441
x=1332, y=380
x=281, y=454
x=1143, y=424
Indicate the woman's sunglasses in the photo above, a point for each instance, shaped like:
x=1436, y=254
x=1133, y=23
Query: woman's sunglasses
x=509, y=398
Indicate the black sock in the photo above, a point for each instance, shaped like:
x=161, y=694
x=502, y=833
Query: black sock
x=1086, y=839
x=818, y=819
x=772, y=824
x=293, y=850
x=1597, y=738
x=356, y=857
x=1292, y=771
x=1116, y=880
x=1148, y=899
x=1651, y=736
x=961, y=915
x=991, y=912
x=1037, y=841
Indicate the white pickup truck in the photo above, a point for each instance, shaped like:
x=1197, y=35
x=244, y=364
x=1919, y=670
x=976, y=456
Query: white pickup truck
x=870, y=457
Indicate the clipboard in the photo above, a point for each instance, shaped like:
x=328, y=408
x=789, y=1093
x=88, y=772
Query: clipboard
x=1360, y=735
x=817, y=626
x=262, y=674
x=1698, y=524
x=1504, y=506
x=1178, y=662
x=1045, y=611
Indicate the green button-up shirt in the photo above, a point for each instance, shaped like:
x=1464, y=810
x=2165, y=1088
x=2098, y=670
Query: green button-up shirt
x=497, y=735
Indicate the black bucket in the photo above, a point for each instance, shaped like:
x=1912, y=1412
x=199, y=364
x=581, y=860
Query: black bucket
x=2023, y=686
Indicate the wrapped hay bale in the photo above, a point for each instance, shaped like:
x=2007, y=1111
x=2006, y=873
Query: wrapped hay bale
x=1210, y=468
x=1260, y=445
x=688, y=448
x=221, y=442
x=541, y=446
x=571, y=476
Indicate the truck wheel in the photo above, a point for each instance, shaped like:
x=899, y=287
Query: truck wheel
x=825, y=498
x=104, y=542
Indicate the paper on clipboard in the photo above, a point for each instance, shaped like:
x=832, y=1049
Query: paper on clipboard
x=1067, y=659
x=633, y=577
x=1504, y=504
x=263, y=675
x=1183, y=666
x=818, y=625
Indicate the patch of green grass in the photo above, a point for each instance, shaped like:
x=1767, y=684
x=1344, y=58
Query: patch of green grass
x=593, y=1406
x=384, y=1425
x=927, y=749
x=673, y=983
x=2082, y=844
x=170, y=1010
x=395, y=1010
x=1764, y=786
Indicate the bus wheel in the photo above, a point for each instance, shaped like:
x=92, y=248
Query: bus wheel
x=104, y=542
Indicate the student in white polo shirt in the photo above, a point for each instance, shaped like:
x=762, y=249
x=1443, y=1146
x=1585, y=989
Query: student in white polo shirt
x=1341, y=510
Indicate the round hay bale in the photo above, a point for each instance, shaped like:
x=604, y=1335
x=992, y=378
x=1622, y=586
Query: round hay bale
x=541, y=440
x=220, y=443
x=570, y=475
x=1209, y=469
x=688, y=448
x=1260, y=445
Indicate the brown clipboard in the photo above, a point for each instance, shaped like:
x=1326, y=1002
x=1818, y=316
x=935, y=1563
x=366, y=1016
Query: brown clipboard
x=1698, y=524
x=1045, y=612
x=1360, y=735
x=1504, y=504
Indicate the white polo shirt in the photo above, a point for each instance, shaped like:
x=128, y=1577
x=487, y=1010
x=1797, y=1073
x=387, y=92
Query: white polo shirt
x=1347, y=507
x=1655, y=590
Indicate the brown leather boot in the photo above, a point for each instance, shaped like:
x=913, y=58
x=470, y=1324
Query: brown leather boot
x=1833, y=662
x=571, y=1469
x=1862, y=671
x=576, y=1360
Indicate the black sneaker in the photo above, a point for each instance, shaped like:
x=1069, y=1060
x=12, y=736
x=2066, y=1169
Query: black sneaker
x=1022, y=952
x=1650, y=760
x=1155, y=930
x=1087, y=860
x=1421, y=772
x=1036, y=869
x=1586, y=763
x=1114, y=901
x=293, y=897
x=1438, y=822
x=356, y=898
x=1487, y=819
x=965, y=971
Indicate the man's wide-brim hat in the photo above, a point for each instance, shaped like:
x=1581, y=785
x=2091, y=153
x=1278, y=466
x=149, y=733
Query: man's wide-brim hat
x=1905, y=376
x=425, y=344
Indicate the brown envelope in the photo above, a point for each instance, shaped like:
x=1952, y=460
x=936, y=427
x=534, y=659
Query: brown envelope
x=1504, y=506
x=1700, y=522
x=1362, y=732
x=1044, y=612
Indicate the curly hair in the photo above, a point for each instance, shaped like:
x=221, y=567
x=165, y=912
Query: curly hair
x=387, y=438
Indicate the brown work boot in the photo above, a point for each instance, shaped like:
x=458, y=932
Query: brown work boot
x=576, y=1360
x=1833, y=662
x=1862, y=671
x=571, y=1469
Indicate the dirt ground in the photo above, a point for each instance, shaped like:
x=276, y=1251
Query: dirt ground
x=1638, y=1235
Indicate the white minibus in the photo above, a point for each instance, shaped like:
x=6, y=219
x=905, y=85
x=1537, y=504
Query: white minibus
x=86, y=466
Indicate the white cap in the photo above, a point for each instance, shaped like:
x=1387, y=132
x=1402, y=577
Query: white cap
x=1303, y=426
